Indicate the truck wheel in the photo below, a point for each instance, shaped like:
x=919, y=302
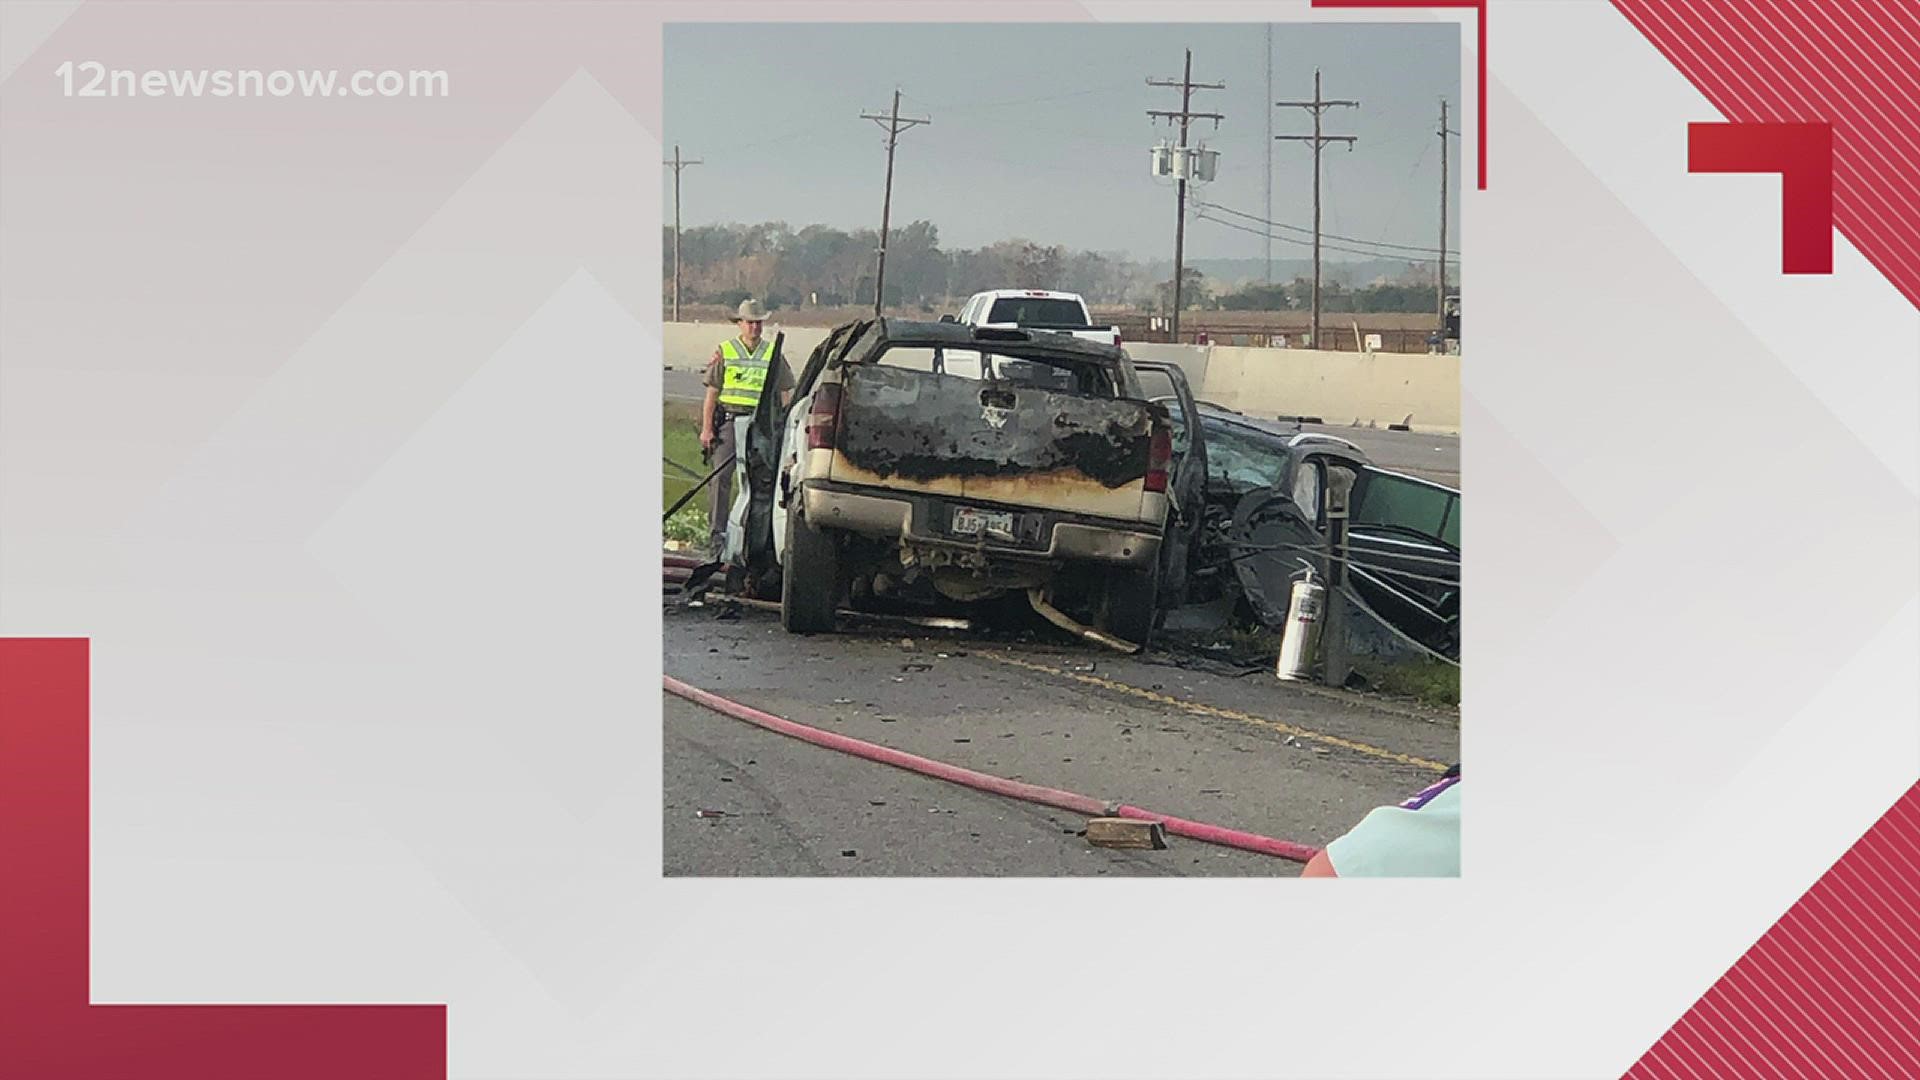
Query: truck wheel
x=1128, y=607
x=810, y=581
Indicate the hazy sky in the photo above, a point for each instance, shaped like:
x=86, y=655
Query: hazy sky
x=1039, y=131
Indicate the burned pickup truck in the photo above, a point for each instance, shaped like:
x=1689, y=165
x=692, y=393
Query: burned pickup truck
x=946, y=461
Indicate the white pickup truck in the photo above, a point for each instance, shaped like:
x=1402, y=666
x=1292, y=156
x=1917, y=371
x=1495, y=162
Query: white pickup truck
x=1035, y=309
x=937, y=462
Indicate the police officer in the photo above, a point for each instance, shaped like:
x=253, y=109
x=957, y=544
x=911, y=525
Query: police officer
x=735, y=377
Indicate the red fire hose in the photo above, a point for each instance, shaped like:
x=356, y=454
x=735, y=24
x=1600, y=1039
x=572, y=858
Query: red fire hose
x=979, y=781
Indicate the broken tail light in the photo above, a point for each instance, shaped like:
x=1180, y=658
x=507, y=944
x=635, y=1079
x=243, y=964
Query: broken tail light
x=823, y=417
x=1159, y=455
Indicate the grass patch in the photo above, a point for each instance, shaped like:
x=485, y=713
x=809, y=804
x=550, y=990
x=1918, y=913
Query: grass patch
x=1429, y=682
x=680, y=445
x=689, y=526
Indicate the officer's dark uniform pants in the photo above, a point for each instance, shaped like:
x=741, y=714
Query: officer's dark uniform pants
x=720, y=489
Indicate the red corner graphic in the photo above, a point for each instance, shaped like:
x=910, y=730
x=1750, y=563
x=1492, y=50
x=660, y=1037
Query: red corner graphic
x=1833, y=989
x=1853, y=65
x=47, y=1026
x=1803, y=156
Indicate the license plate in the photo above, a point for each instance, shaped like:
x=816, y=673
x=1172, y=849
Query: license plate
x=970, y=522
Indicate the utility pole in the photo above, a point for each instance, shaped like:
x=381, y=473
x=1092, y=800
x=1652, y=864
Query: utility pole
x=1317, y=106
x=1440, y=291
x=894, y=124
x=677, y=163
x=1268, y=239
x=1186, y=116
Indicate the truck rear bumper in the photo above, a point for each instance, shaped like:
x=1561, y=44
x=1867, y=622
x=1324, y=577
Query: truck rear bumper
x=1068, y=539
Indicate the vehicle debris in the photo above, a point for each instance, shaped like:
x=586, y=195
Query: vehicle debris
x=1119, y=832
x=709, y=813
x=1267, y=511
x=1058, y=618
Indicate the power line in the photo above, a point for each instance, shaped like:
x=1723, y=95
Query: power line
x=894, y=124
x=1186, y=116
x=1202, y=215
x=1317, y=106
x=1416, y=248
x=1392, y=216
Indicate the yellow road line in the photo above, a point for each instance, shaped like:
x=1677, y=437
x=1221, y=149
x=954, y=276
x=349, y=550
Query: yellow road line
x=1198, y=709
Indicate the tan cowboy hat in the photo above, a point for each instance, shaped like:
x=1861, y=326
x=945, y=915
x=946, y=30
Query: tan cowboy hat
x=750, y=311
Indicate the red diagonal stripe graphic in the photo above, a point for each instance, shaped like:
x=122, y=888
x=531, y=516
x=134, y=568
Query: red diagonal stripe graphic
x=1851, y=64
x=1833, y=989
x=48, y=1029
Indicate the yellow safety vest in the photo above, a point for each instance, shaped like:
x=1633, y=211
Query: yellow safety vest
x=744, y=373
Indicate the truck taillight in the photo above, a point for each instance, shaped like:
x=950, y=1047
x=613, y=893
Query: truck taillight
x=1159, y=454
x=823, y=417
x=1116, y=339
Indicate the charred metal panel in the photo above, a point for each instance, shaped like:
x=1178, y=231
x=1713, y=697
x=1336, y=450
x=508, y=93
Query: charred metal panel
x=922, y=427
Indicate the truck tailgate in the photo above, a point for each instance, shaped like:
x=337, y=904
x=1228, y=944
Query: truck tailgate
x=993, y=442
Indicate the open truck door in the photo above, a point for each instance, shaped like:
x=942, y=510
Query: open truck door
x=1166, y=385
x=768, y=452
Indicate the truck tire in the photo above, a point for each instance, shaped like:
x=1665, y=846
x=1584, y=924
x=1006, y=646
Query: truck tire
x=1128, y=607
x=810, y=581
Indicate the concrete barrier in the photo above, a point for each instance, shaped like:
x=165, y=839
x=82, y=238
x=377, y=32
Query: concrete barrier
x=1339, y=387
x=1191, y=358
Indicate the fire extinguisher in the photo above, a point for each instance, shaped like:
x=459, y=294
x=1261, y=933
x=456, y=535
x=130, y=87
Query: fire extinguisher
x=1306, y=610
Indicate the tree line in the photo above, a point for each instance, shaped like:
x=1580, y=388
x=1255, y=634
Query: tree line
x=825, y=266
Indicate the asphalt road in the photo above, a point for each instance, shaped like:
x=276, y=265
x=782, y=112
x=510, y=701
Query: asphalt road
x=1247, y=752
x=1435, y=457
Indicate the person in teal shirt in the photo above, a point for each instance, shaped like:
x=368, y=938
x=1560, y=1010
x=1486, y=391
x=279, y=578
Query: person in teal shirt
x=1418, y=838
